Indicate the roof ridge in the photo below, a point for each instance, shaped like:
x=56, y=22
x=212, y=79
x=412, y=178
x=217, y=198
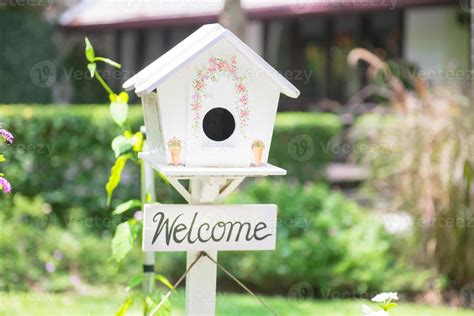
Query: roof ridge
x=180, y=55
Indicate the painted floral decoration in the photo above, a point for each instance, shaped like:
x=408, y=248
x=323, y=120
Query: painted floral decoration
x=174, y=142
x=209, y=72
x=174, y=145
x=258, y=144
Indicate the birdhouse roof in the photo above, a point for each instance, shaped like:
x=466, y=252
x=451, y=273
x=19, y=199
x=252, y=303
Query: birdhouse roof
x=190, y=48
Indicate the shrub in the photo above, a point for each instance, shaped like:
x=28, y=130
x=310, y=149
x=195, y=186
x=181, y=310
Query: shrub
x=324, y=240
x=63, y=152
x=421, y=156
x=39, y=251
x=300, y=143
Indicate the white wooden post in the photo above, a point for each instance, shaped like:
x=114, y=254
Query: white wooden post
x=201, y=280
x=148, y=196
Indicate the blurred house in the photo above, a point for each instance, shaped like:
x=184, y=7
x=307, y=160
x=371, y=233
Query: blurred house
x=307, y=41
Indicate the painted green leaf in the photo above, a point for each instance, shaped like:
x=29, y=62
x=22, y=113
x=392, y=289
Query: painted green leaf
x=127, y=206
x=122, y=242
x=92, y=68
x=115, y=176
x=125, y=306
x=119, y=112
x=121, y=145
x=90, y=55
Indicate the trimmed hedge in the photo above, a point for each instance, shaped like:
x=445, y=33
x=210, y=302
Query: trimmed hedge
x=63, y=152
x=300, y=143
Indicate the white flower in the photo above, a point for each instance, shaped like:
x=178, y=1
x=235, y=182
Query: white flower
x=369, y=312
x=384, y=297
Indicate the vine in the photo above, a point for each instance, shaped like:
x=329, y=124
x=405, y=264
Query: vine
x=126, y=147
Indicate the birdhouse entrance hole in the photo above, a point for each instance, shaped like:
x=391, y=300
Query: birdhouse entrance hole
x=218, y=124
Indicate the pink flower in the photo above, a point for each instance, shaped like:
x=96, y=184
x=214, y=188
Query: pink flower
x=244, y=99
x=5, y=185
x=241, y=88
x=7, y=136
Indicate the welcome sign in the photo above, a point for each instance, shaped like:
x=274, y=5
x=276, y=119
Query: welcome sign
x=209, y=227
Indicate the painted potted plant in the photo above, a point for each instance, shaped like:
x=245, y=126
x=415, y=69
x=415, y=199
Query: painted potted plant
x=174, y=145
x=257, y=147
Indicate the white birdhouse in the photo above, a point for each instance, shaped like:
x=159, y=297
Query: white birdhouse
x=210, y=101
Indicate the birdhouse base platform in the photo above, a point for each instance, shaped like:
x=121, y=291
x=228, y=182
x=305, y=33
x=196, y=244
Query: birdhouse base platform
x=185, y=172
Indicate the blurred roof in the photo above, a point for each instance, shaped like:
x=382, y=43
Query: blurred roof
x=112, y=14
x=182, y=54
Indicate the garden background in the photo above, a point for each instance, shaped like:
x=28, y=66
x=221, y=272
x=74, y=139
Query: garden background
x=377, y=196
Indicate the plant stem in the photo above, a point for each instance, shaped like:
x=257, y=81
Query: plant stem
x=103, y=83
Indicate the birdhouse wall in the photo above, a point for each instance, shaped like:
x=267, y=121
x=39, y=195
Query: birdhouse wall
x=224, y=79
x=153, y=126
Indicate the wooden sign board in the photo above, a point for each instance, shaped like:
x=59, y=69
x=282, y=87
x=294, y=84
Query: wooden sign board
x=209, y=227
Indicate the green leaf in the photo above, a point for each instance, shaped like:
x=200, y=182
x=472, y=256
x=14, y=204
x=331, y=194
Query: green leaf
x=388, y=306
x=164, y=281
x=115, y=176
x=92, y=68
x=113, y=97
x=90, y=55
x=122, y=242
x=135, y=228
x=119, y=112
x=135, y=281
x=125, y=306
x=126, y=206
x=123, y=97
x=121, y=145
x=2, y=158
x=108, y=61
x=137, y=141
x=164, y=178
x=148, y=197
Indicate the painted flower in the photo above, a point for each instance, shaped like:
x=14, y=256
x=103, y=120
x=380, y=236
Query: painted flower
x=228, y=68
x=7, y=136
x=199, y=85
x=384, y=297
x=244, y=99
x=212, y=69
x=5, y=186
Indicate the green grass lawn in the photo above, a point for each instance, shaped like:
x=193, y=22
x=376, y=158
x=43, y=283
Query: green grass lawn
x=227, y=304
